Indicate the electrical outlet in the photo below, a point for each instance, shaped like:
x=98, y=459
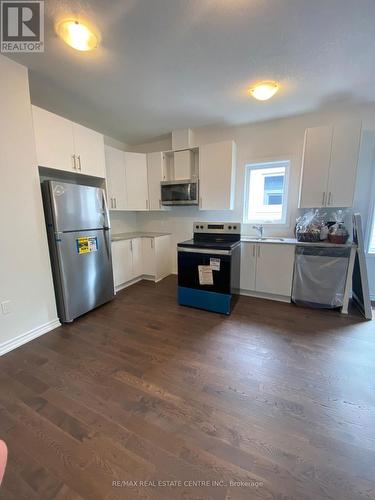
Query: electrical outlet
x=6, y=307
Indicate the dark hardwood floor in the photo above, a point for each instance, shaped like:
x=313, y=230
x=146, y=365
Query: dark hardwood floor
x=277, y=397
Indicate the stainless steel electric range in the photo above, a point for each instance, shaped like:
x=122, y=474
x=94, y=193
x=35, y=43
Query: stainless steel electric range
x=209, y=266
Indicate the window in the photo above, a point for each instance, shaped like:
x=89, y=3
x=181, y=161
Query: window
x=266, y=192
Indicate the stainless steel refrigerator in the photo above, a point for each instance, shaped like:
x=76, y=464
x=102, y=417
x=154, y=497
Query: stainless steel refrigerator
x=79, y=239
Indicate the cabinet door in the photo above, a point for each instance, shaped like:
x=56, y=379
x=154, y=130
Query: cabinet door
x=315, y=167
x=344, y=160
x=122, y=262
x=163, y=257
x=89, y=148
x=116, y=182
x=217, y=167
x=148, y=255
x=136, y=181
x=275, y=264
x=136, y=248
x=248, y=265
x=53, y=140
x=154, y=177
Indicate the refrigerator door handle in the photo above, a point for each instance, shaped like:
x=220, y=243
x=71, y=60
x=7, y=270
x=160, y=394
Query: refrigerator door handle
x=107, y=224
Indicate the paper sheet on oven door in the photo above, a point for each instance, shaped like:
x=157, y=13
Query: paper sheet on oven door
x=205, y=275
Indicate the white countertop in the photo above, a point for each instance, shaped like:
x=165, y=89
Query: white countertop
x=137, y=234
x=293, y=241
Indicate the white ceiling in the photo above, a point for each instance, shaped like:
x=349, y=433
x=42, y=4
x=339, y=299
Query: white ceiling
x=167, y=64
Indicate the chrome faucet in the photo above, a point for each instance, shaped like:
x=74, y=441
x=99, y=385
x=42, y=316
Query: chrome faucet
x=260, y=229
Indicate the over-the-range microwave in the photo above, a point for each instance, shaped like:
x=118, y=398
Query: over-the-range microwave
x=182, y=192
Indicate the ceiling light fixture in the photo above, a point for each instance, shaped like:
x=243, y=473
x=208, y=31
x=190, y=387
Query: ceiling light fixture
x=77, y=35
x=264, y=90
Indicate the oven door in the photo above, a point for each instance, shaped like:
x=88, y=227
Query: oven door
x=179, y=193
x=189, y=260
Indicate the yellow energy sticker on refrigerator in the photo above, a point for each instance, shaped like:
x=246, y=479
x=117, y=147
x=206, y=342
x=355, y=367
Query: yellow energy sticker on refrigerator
x=87, y=245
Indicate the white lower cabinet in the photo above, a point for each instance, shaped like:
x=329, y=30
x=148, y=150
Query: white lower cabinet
x=267, y=268
x=137, y=261
x=248, y=266
x=148, y=254
x=122, y=262
x=148, y=257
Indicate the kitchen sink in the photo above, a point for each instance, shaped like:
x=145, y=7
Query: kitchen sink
x=269, y=239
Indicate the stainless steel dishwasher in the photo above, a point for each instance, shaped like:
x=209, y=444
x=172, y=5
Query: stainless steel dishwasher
x=320, y=276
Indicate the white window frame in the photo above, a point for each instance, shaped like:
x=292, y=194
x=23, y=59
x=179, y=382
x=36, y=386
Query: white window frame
x=259, y=166
x=371, y=231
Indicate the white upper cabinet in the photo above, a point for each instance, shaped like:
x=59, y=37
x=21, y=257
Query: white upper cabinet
x=217, y=169
x=68, y=146
x=155, y=164
x=330, y=165
x=344, y=160
x=89, y=149
x=54, y=140
x=127, y=180
x=316, y=160
x=116, y=182
x=136, y=181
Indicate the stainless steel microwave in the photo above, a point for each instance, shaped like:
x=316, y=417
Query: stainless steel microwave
x=183, y=192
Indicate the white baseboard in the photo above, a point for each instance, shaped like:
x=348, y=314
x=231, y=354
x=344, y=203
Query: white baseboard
x=128, y=283
x=267, y=296
x=11, y=344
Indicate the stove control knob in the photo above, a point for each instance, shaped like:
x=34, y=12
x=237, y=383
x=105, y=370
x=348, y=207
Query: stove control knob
x=196, y=227
x=229, y=227
x=201, y=227
x=234, y=227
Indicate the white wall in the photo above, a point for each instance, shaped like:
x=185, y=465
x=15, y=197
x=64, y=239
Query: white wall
x=123, y=222
x=25, y=276
x=272, y=140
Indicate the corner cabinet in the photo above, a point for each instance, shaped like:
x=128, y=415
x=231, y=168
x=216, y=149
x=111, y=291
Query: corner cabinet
x=126, y=180
x=141, y=258
x=64, y=145
x=267, y=269
x=217, y=172
x=329, y=166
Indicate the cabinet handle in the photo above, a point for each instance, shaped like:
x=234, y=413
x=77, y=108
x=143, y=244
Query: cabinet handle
x=324, y=199
x=253, y=250
x=159, y=203
x=200, y=202
x=115, y=202
x=152, y=243
x=258, y=250
x=79, y=163
x=74, y=162
x=146, y=204
x=329, y=198
x=131, y=245
x=111, y=202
